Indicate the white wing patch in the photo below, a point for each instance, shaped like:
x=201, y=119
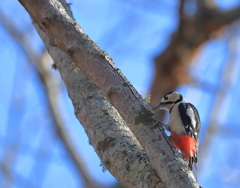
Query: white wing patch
x=190, y=113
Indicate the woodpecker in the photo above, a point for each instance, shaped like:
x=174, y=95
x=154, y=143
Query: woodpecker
x=184, y=125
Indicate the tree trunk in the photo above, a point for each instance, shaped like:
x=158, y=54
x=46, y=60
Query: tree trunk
x=122, y=133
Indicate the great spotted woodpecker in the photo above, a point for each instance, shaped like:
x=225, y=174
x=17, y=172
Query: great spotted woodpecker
x=184, y=125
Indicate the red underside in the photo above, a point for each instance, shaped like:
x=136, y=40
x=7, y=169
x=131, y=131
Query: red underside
x=186, y=144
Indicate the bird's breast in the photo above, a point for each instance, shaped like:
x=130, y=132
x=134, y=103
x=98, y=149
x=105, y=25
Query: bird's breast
x=175, y=121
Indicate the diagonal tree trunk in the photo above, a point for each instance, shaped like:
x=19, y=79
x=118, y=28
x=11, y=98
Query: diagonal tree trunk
x=102, y=122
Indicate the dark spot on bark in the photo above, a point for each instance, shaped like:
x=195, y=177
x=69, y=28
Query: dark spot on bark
x=52, y=42
x=159, y=138
x=71, y=51
x=45, y=22
x=124, y=153
x=128, y=168
x=139, y=158
x=153, y=140
x=106, y=143
x=113, y=90
x=145, y=117
x=89, y=97
x=107, y=163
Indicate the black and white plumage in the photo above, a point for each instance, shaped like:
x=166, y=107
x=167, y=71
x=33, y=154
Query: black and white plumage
x=182, y=114
x=184, y=125
x=190, y=118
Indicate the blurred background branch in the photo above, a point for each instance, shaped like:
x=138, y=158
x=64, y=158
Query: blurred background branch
x=194, y=29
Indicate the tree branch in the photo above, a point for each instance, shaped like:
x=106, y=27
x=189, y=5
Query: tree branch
x=116, y=146
x=66, y=34
x=171, y=66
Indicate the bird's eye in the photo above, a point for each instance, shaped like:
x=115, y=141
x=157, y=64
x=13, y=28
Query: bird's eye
x=166, y=97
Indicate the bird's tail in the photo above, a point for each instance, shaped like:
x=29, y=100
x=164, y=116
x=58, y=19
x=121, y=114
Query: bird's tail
x=193, y=161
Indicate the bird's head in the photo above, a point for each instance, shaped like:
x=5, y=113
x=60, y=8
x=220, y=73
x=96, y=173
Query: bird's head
x=169, y=100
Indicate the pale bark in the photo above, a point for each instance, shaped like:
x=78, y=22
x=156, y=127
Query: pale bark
x=116, y=146
x=66, y=34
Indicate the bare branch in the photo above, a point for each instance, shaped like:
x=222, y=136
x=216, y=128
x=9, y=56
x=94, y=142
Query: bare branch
x=171, y=66
x=181, y=9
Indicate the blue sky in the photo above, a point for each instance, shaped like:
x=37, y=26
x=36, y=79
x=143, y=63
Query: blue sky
x=133, y=33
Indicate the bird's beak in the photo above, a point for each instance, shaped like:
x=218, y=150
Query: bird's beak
x=158, y=106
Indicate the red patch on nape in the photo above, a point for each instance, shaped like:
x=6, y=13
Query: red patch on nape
x=185, y=143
